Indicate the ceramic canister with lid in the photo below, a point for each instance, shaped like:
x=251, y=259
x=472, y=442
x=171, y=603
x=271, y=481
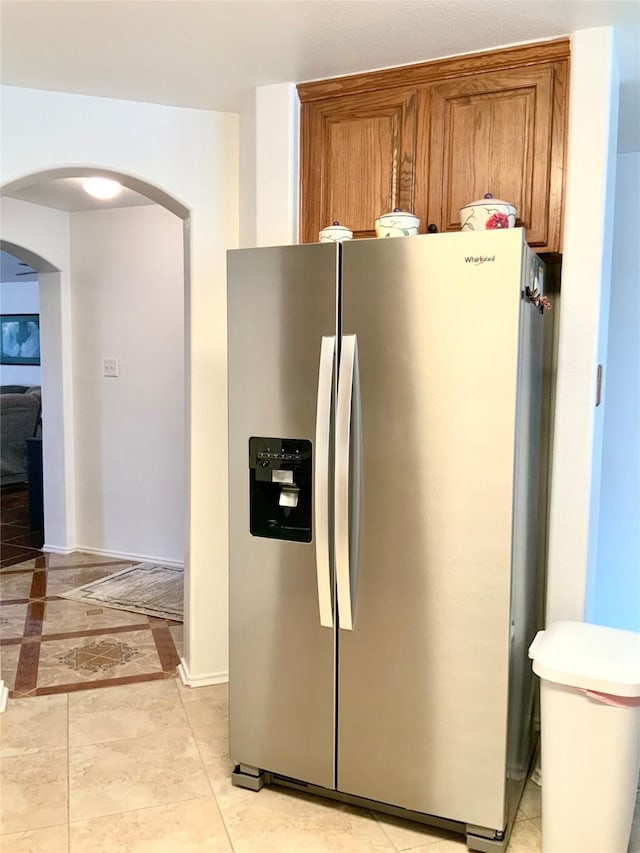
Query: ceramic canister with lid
x=335, y=233
x=487, y=214
x=398, y=223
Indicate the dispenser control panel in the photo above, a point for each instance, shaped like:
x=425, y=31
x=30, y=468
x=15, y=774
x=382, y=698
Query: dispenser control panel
x=274, y=453
x=264, y=455
x=280, y=476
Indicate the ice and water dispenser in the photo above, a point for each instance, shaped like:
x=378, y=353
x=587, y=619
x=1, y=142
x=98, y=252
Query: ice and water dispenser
x=280, y=472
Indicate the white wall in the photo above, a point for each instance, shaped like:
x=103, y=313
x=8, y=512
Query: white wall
x=614, y=583
x=247, y=156
x=42, y=234
x=269, y=177
x=277, y=169
x=19, y=298
x=128, y=300
x=586, y=276
x=190, y=156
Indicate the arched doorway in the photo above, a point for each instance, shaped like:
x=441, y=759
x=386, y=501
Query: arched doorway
x=74, y=332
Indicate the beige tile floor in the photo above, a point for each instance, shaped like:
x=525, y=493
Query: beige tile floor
x=143, y=768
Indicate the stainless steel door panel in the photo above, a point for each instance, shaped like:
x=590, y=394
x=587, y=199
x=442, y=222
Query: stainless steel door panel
x=281, y=302
x=529, y=527
x=423, y=676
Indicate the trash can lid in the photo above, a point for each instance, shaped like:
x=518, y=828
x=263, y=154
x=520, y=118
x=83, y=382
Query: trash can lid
x=593, y=657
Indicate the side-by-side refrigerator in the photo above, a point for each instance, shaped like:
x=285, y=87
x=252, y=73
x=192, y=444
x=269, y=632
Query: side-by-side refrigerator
x=387, y=522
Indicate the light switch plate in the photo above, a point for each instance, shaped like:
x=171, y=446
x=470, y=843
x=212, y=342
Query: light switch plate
x=110, y=367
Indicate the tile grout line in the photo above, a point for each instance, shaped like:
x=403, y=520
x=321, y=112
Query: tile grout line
x=386, y=835
x=195, y=740
x=213, y=793
x=68, y=775
x=224, y=822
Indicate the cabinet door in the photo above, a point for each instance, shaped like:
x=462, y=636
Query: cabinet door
x=357, y=160
x=503, y=133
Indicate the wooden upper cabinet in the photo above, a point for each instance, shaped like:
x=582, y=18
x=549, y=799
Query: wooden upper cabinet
x=357, y=160
x=497, y=133
x=430, y=138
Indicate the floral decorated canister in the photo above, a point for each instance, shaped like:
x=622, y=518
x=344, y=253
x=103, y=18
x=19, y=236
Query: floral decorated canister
x=397, y=224
x=487, y=214
x=335, y=233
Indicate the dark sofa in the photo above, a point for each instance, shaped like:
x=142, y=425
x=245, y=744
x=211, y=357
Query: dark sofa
x=20, y=407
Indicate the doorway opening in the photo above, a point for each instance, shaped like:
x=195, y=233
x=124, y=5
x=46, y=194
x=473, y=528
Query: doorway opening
x=112, y=293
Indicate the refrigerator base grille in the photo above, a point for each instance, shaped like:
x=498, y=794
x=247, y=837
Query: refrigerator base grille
x=478, y=838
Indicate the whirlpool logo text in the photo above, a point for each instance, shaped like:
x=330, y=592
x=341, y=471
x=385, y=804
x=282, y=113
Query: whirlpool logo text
x=479, y=259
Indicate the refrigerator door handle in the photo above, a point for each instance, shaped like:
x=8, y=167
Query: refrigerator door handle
x=321, y=484
x=347, y=488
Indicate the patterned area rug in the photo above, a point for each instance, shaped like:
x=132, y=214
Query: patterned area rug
x=147, y=588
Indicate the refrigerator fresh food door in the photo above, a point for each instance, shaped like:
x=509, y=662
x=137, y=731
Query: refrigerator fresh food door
x=423, y=674
x=282, y=318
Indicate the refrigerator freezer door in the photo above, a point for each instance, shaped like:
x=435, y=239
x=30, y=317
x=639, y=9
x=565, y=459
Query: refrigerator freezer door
x=423, y=675
x=281, y=302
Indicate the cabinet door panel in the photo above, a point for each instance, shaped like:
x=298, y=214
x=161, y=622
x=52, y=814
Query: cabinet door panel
x=495, y=133
x=361, y=169
x=357, y=160
x=500, y=129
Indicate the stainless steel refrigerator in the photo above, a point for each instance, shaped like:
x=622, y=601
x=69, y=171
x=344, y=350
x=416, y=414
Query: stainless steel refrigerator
x=387, y=522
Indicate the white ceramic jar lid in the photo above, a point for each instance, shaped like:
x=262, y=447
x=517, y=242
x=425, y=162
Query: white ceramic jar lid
x=488, y=201
x=336, y=229
x=396, y=212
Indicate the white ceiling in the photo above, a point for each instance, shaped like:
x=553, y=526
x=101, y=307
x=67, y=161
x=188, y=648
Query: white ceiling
x=68, y=194
x=211, y=54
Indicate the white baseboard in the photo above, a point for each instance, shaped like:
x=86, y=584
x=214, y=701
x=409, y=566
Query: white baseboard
x=54, y=549
x=4, y=695
x=200, y=680
x=121, y=555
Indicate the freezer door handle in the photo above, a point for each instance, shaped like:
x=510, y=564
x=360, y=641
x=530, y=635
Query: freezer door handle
x=321, y=484
x=347, y=480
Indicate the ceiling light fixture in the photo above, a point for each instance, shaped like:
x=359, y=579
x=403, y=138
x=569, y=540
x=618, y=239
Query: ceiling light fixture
x=102, y=188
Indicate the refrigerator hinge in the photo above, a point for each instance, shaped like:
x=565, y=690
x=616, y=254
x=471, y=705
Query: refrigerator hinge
x=246, y=776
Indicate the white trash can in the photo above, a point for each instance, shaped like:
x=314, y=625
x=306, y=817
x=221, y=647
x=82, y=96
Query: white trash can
x=590, y=721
